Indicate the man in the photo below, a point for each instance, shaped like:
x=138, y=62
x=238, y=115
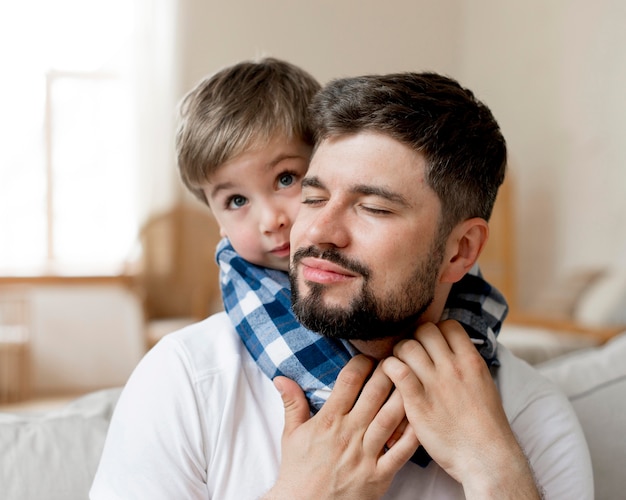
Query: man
x=394, y=212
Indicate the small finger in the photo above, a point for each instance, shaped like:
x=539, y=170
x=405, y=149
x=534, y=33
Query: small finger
x=399, y=454
x=383, y=429
x=403, y=377
x=372, y=397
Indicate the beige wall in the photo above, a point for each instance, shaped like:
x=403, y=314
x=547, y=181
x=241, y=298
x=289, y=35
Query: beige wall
x=552, y=71
x=330, y=38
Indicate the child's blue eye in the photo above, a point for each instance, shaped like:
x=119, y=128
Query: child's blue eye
x=235, y=202
x=285, y=180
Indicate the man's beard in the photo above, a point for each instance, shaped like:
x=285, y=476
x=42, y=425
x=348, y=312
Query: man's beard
x=367, y=317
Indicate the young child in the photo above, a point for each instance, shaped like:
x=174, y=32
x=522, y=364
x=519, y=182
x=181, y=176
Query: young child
x=243, y=146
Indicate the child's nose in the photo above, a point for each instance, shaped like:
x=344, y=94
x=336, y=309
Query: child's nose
x=273, y=219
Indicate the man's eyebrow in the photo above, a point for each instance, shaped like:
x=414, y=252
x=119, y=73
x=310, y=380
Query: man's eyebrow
x=313, y=182
x=387, y=194
x=361, y=189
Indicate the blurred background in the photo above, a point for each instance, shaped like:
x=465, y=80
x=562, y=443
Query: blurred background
x=102, y=251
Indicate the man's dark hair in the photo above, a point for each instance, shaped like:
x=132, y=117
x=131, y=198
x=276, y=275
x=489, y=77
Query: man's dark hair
x=457, y=134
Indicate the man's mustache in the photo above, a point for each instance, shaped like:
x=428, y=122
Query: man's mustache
x=331, y=255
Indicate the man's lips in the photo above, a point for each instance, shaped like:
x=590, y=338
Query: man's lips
x=323, y=271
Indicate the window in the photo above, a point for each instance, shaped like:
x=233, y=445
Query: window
x=67, y=182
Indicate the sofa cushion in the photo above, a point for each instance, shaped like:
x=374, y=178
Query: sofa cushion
x=535, y=344
x=54, y=455
x=595, y=382
x=604, y=302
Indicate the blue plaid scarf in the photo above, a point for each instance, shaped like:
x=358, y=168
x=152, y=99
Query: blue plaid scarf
x=258, y=303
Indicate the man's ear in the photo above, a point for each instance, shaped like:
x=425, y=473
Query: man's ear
x=465, y=243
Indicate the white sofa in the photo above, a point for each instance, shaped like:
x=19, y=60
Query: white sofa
x=595, y=382
x=54, y=456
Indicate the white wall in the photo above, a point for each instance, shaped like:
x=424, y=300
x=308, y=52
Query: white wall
x=552, y=71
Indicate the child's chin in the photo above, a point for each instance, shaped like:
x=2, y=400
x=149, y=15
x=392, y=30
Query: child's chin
x=280, y=264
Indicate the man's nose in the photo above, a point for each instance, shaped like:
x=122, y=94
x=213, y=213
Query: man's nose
x=329, y=227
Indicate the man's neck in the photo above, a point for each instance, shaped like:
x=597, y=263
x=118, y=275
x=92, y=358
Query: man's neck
x=377, y=349
x=382, y=348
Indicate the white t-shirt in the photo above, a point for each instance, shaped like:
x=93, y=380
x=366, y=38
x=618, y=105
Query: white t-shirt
x=198, y=419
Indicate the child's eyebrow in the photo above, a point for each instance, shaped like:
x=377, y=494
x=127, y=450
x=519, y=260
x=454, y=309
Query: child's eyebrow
x=282, y=157
x=270, y=165
x=361, y=189
x=221, y=187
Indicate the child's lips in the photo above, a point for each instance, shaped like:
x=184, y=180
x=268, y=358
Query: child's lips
x=281, y=250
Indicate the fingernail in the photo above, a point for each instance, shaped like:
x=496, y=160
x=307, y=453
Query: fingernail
x=279, y=386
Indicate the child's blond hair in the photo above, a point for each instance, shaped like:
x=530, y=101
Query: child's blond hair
x=239, y=107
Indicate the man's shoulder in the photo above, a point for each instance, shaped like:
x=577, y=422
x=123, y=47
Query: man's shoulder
x=520, y=384
x=535, y=406
x=207, y=358
x=206, y=346
x=513, y=368
x=215, y=328
x=546, y=427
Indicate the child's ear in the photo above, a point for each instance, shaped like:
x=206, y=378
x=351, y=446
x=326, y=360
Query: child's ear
x=465, y=243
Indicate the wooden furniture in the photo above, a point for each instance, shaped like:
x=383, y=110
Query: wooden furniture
x=178, y=277
x=15, y=362
x=498, y=259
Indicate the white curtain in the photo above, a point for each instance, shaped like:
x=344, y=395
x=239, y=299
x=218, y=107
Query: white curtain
x=156, y=76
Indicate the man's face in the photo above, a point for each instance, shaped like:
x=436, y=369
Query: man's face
x=365, y=251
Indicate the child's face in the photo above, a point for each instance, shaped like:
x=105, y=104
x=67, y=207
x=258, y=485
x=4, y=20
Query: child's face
x=255, y=198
